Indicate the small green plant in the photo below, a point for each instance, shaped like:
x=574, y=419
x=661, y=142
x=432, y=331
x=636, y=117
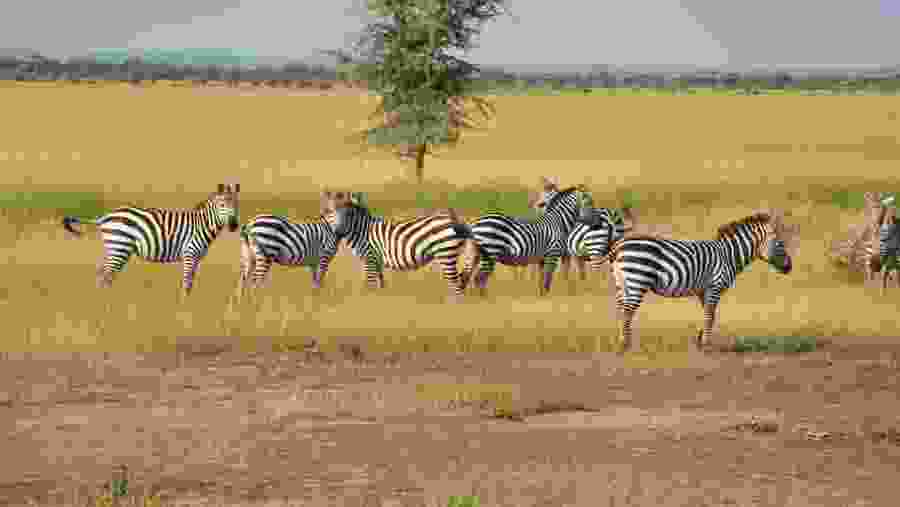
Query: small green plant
x=781, y=344
x=630, y=199
x=846, y=199
x=462, y=501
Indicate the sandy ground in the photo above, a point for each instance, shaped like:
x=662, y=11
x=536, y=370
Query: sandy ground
x=211, y=425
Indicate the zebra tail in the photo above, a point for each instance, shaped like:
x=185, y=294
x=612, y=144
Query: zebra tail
x=471, y=270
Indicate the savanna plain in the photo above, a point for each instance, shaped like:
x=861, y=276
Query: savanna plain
x=349, y=397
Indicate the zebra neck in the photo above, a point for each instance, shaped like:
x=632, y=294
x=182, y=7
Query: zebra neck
x=741, y=259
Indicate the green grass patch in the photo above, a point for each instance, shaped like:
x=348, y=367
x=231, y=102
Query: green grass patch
x=78, y=203
x=846, y=199
x=778, y=344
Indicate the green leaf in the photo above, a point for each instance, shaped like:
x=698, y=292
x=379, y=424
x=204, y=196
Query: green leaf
x=119, y=487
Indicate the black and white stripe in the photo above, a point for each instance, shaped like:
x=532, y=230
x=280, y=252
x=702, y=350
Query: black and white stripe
x=401, y=245
x=590, y=239
x=162, y=235
x=876, y=206
x=272, y=239
x=512, y=241
x=889, y=246
x=704, y=269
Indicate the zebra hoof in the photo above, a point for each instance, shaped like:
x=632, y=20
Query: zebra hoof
x=698, y=341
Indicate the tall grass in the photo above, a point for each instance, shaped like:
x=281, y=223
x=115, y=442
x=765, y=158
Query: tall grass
x=685, y=165
x=50, y=300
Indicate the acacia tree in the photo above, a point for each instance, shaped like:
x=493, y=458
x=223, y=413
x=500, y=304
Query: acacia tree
x=426, y=91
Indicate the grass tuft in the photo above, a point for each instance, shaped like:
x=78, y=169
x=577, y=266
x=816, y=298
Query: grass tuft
x=777, y=344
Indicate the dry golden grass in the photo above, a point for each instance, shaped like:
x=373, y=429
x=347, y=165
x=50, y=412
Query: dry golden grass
x=167, y=147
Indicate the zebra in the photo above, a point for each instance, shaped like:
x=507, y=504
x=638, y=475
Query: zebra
x=705, y=269
x=399, y=245
x=268, y=239
x=868, y=256
x=888, y=258
x=162, y=235
x=510, y=241
x=591, y=238
x=878, y=211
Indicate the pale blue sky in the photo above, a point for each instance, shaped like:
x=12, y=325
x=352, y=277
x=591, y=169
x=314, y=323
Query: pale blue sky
x=544, y=35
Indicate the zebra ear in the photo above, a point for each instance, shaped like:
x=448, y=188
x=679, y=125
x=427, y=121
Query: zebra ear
x=221, y=188
x=548, y=183
x=237, y=187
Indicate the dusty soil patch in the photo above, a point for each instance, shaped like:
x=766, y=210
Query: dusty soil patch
x=356, y=428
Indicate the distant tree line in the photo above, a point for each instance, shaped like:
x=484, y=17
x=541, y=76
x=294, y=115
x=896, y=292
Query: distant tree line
x=135, y=70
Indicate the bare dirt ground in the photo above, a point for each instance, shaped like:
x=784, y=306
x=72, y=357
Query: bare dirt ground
x=210, y=424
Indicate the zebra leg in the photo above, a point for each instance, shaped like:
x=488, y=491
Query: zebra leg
x=471, y=258
x=324, y=262
x=374, y=273
x=262, y=271
x=453, y=278
x=709, y=299
x=190, y=270
x=565, y=266
x=112, y=263
x=248, y=257
x=549, y=264
x=596, y=263
x=627, y=304
x=485, y=269
x=580, y=265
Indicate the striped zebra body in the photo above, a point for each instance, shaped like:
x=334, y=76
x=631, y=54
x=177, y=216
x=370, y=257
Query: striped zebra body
x=511, y=241
x=889, y=248
x=401, y=245
x=272, y=239
x=868, y=256
x=703, y=269
x=162, y=235
x=522, y=271
x=590, y=242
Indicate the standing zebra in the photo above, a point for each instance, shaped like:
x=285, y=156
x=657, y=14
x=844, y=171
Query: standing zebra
x=705, y=269
x=876, y=205
x=268, y=239
x=401, y=245
x=511, y=241
x=591, y=238
x=888, y=245
x=162, y=235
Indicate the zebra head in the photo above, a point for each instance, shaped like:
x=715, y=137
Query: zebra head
x=340, y=207
x=225, y=204
x=549, y=190
x=775, y=233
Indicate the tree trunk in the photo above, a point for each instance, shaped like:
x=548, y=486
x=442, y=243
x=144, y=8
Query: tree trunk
x=420, y=163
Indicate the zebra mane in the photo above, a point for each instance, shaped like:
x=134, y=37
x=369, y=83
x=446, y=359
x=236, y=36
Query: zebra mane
x=559, y=195
x=730, y=229
x=204, y=203
x=357, y=208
